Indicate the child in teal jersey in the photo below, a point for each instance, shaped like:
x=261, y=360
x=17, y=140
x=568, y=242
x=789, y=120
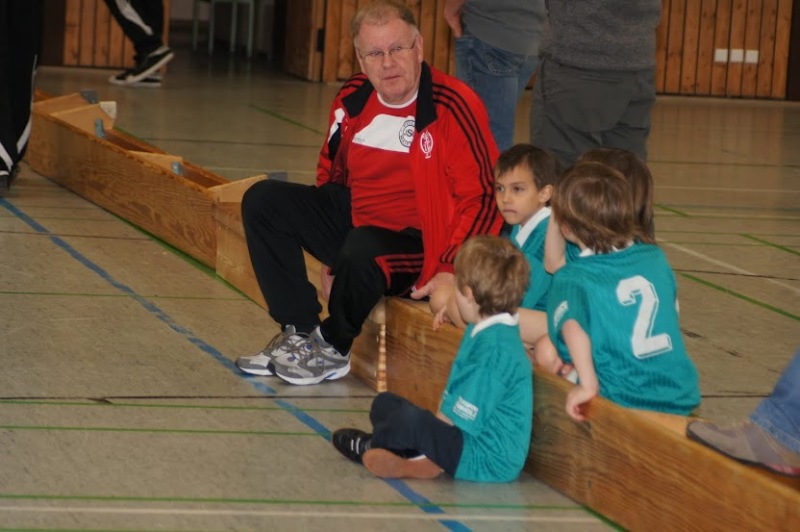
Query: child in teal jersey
x=558, y=251
x=636, y=172
x=613, y=312
x=524, y=181
x=483, y=427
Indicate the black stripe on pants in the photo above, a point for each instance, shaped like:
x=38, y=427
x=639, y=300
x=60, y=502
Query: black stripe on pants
x=400, y=425
x=150, y=13
x=282, y=219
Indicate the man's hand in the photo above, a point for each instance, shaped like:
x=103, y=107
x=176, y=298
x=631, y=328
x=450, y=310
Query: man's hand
x=440, y=279
x=326, y=281
x=452, y=14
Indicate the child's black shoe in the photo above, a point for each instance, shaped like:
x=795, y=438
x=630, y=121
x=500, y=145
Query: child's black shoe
x=352, y=443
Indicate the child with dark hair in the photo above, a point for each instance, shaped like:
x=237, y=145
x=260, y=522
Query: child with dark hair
x=524, y=179
x=613, y=312
x=483, y=427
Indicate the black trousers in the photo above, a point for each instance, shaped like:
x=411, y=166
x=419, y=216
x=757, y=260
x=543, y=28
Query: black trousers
x=142, y=21
x=20, y=36
x=282, y=219
x=400, y=425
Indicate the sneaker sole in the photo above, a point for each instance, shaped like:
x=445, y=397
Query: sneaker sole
x=156, y=66
x=261, y=372
x=304, y=381
x=385, y=464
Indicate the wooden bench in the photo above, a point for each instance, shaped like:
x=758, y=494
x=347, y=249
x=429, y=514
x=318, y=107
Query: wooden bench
x=636, y=468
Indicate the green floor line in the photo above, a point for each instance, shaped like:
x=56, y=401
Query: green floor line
x=741, y=296
x=290, y=502
x=156, y=431
x=770, y=244
x=730, y=217
x=731, y=244
x=670, y=209
x=728, y=233
x=286, y=119
x=18, y=402
x=717, y=163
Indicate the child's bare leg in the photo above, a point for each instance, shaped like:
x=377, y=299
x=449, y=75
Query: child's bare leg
x=532, y=325
x=386, y=464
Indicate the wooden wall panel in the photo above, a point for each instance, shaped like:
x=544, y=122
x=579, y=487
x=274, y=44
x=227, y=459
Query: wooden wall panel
x=91, y=37
x=705, y=47
x=72, y=32
x=769, y=20
x=690, y=55
x=672, y=82
x=88, y=12
x=662, y=40
x=722, y=32
x=737, y=48
x=752, y=39
x=102, y=31
x=781, y=61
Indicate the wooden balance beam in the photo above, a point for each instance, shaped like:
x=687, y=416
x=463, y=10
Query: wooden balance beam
x=634, y=467
x=197, y=211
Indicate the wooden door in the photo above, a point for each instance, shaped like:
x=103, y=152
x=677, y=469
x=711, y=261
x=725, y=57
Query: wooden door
x=304, y=38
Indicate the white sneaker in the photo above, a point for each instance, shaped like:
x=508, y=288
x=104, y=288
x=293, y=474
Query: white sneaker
x=285, y=342
x=312, y=363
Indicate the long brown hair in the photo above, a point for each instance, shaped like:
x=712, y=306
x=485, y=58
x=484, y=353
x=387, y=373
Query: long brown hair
x=638, y=175
x=594, y=202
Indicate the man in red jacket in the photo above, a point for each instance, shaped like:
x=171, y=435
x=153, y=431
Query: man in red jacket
x=404, y=178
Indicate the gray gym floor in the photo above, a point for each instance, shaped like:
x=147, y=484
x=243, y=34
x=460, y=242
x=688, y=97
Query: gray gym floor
x=121, y=408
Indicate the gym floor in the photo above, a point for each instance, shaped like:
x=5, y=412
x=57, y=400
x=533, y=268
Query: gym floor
x=120, y=406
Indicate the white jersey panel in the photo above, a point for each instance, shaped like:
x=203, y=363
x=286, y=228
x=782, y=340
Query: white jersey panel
x=386, y=132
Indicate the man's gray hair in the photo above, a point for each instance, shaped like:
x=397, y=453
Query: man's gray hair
x=381, y=12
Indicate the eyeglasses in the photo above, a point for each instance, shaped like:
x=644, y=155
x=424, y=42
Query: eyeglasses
x=376, y=56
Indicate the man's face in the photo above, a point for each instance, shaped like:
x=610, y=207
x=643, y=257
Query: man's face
x=394, y=75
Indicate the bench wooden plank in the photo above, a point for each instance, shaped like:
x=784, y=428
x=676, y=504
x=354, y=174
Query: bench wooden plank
x=636, y=468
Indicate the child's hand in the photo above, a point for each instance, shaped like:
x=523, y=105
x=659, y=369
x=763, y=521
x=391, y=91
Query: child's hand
x=441, y=318
x=576, y=398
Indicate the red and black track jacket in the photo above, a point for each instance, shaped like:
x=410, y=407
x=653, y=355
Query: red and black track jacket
x=453, y=155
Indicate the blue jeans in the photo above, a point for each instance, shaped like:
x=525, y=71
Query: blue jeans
x=498, y=77
x=779, y=414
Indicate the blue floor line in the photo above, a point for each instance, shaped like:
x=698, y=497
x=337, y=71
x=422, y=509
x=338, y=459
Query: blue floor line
x=401, y=487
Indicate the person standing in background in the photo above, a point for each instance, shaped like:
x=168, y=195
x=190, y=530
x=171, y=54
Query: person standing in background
x=142, y=21
x=20, y=35
x=596, y=81
x=497, y=44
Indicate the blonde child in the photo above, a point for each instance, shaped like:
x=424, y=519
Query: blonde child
x=482, y=429
x=613, y=310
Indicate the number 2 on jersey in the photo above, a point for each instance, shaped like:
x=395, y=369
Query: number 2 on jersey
x=643, y=342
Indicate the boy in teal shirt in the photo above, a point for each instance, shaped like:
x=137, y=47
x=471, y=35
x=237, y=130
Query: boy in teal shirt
x=613, y=312
x=483, y=427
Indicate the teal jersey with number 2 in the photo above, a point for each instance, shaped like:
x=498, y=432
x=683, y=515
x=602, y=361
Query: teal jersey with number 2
x=626, y=302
